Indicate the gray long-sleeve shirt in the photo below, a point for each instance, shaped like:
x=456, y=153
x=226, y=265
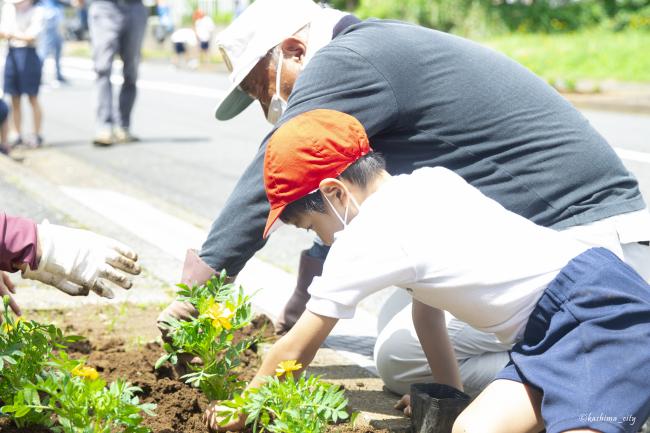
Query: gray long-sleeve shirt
x=428, y=98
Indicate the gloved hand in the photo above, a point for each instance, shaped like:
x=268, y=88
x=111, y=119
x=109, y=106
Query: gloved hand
x=77, y=261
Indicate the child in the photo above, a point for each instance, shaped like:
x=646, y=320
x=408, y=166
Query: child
x=203, y=27
x=183, y=39
x=580, y=317
x=21, y=25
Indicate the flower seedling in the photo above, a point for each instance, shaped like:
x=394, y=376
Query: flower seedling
x=222, y=309
x=284, y=404
x=80, y=400
x=25, y=348
x=40, y=385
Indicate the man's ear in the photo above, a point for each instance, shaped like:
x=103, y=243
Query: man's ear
x=294, y=47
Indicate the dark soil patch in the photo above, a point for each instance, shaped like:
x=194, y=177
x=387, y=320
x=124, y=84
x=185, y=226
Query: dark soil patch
x=179, y=406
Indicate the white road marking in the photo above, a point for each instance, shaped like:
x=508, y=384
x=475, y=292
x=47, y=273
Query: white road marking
x=160, y=86
x=633, y=155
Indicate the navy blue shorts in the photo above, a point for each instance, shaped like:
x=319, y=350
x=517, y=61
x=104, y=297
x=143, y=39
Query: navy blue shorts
x=179, y=47
x=205, y=45
x=586, y=347
x=22, y=72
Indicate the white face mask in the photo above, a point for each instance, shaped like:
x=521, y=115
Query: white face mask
x=344, y=218
x=277, y=105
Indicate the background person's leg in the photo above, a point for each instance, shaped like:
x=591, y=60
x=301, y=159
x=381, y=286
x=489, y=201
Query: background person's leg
x=57, y=48
x=105, y=21
x=401, y=362
x=131, y=39
x=16, y=115
x=38, y=118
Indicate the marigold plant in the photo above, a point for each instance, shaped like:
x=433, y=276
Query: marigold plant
x=222, y=309
x=80, y=401
x=25, y=348
x=287, y=405
x=41, y=385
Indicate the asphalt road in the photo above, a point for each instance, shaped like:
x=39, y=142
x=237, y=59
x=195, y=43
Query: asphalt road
x=187, y=162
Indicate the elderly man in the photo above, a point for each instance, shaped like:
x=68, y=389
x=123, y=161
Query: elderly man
x=425, y=98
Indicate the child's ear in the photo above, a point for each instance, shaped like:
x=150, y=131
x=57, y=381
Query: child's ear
x=331, y=188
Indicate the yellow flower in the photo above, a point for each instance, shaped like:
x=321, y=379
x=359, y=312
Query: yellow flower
x=85, y=372
x=287, y=367
x=6, y=327
x=220, y=315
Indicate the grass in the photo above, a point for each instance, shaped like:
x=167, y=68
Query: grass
x=587, y=55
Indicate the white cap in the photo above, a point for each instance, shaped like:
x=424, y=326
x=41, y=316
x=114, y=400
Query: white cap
x=263, y=25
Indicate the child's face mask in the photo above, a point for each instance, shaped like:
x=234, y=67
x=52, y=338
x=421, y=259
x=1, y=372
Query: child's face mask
x=344, y=218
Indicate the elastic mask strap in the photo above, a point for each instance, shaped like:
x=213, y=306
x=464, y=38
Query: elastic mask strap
x=278, y=73
x=335, y=211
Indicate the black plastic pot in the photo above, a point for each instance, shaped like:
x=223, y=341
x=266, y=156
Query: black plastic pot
x=435, y=407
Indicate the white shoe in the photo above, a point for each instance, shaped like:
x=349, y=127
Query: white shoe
x=104, y=138
x=123, y=135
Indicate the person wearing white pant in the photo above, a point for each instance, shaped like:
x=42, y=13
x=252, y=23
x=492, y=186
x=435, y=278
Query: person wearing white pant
x=399, y=357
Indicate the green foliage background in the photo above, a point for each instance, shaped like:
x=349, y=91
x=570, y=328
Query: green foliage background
x=484, y=17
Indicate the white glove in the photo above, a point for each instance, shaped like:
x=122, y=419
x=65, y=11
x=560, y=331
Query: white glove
x=76, y=261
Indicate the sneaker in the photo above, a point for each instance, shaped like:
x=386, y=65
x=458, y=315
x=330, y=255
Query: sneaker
x=123, y=135
x=18, y=141
x=104, y=138
x=38, y=141
x=4, y=149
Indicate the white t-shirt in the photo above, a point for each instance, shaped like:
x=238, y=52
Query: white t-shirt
x=450, y=246
x=184, y=36
x=24, y=22
x=204, y=28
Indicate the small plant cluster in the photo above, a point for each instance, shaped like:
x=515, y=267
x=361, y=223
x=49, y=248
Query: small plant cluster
x=41, y=385
x=286, y=405
x=222, y=309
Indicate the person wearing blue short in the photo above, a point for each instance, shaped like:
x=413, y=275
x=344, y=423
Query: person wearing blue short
x=51, y=43
x=579, y=317
x=21, y=25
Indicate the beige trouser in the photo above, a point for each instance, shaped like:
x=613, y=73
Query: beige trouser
x=400, y=360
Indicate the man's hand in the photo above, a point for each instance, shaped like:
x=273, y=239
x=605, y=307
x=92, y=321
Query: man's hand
x=7, y=288
x=404, y=404
x=77, y=261
x=212, y=419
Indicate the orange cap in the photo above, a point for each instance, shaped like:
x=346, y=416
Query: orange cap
x=305, y=150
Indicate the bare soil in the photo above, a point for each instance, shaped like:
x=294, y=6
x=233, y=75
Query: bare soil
x=119, y=345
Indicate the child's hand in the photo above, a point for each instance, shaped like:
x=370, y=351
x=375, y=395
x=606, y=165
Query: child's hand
x=213, y=421
x=405, y=404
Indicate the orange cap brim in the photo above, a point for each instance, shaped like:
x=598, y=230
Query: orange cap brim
x=273, y=222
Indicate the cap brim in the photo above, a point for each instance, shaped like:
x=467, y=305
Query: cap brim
x=273, y=222
x=234, y=103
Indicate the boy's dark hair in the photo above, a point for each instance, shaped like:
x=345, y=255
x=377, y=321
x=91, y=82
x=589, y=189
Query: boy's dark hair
x=360, y=173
